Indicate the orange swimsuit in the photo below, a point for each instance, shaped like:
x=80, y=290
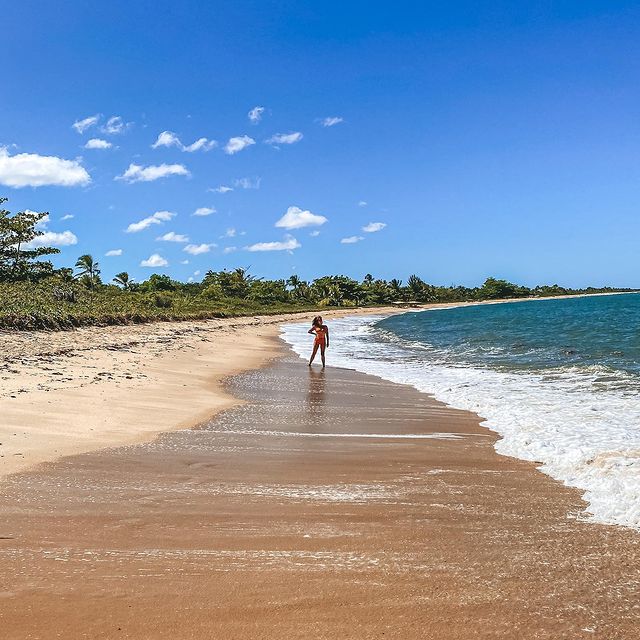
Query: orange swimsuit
x=321, y=336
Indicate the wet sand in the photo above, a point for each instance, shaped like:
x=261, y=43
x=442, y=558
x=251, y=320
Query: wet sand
x=328, y=505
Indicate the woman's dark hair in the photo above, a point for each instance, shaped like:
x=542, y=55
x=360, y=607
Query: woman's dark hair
x=316, y=321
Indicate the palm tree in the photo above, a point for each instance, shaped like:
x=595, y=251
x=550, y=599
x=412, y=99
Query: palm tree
x=396, y=288
x=368, y=280
x=88, y=270
x=123, y=280
x=294, y=282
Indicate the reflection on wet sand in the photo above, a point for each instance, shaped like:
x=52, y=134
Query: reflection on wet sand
x=316, y=394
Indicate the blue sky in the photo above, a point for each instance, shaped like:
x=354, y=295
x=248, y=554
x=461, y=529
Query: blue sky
x=479, y=138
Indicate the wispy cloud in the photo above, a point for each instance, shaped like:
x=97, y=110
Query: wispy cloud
x=314, y=234
x=33, y=170
x=351, y=240
x=113, y=252
x=229, y=233
x=255, y=115
x=362, y=203
x=157, y=218
x=53, y=239
x=204, y=211
x=97, y=143
x=296, y=218
x=201, y=144
x=228, y=250
x=223, y=188
x=197, y=249
x=154, y=260
x=238, y=143
x=115, y=125
x=138, y=173
x=67, y=216
x=172, y=236
x=86, y=123
x=331, y=121
x=285, y=138
x=247, y=183
x=373, y=227
x=288, y=244
x=170, y=139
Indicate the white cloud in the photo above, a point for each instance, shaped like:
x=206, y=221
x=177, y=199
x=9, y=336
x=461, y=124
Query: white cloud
x=167, y=139
x=196, y=273
x=173, y=237
x=97, y=143
x=53, y=239
x=247, y=183
x=67, y=216
x=285, y=138
x=157, y=218
x=201, y=143
x=289, y=244
x=113, y=252
x=372, y=227
x=362, y=203
x=255, y=115
x=204, y=211
x=296, y=218
x=238, y=144
x=331, y=121
x=222, y=189
x=197, y=249
x=170, y=139
x=82, y=125
x=138, y=173
x=184, y=262
x=314, y=234
x=229, y=249
x=351, y=240
x=115, y=125
x=230, y=233
x=33, y=170
x=154, y=260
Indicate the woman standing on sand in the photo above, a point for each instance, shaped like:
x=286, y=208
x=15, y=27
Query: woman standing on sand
x=321, y=332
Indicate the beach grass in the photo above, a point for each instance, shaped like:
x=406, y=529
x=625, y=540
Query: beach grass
x=28, y=306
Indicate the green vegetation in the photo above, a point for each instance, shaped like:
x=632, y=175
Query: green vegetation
x=34, y=295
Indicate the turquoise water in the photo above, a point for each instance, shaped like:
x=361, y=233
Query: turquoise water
x=534, y=335
x=557, y=379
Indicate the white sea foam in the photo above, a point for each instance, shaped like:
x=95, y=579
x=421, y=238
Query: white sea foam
x=585, y=439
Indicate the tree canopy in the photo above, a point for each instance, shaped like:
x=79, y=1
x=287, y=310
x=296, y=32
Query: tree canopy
x=20, y=251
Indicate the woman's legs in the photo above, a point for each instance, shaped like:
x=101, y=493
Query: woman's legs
x=322, y=348
x=313, y=354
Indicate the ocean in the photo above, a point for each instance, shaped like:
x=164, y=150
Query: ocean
x=558, y=379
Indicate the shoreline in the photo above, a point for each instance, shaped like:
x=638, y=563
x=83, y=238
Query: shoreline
x=69, y=392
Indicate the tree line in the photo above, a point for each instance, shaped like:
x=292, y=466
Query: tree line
x=22, y=260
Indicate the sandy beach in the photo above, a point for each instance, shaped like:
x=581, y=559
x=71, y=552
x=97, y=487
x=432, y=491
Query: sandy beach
x=70, y=392
x=303, y=505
